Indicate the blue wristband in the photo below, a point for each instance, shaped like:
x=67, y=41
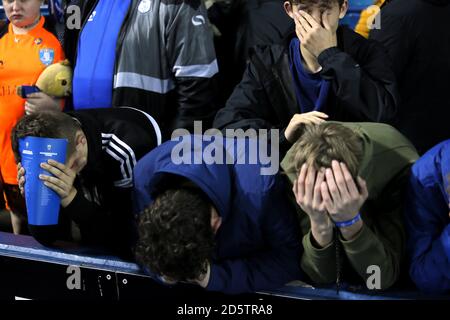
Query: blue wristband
x=348, y=223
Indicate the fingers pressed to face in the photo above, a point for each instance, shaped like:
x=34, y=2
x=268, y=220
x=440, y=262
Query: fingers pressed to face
x=301, y=30
x=317, y=197
x=309, y=185
x=303, y=23
x=301, y=181
x=339, y=179
x=351, y=186
x=331, y=184
x=326, y=197
x=309, y=19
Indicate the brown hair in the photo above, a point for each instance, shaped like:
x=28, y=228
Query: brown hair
x=46, y=124
x=322, y=4
x=320, y=144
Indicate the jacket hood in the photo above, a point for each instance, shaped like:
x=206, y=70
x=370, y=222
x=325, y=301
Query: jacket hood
x=214, y=180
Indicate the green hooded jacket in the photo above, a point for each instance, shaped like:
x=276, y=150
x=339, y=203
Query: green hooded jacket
x=387, y=159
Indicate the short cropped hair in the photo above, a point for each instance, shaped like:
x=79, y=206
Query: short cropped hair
x=46, y=124
x=320, y=144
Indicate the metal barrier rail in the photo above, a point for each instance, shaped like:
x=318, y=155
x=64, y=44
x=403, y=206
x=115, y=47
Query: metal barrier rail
x=30, y=270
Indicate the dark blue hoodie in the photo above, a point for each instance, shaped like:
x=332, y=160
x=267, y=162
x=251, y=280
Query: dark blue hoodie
x=428, y=221
x=258, y=246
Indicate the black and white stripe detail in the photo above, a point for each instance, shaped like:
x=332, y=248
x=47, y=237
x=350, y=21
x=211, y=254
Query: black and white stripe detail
x=121, y=152
x=152, y=122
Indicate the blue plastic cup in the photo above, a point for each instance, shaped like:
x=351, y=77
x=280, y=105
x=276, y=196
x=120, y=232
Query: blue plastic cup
x=42, y=203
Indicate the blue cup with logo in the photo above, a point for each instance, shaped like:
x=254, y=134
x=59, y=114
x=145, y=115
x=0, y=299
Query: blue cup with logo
x=42, y=203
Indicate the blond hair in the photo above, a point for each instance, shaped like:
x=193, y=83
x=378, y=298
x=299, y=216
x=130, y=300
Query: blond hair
x=320, y=144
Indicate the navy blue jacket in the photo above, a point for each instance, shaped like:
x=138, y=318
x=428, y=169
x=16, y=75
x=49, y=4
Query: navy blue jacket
x=258, y=243
x=428, y=220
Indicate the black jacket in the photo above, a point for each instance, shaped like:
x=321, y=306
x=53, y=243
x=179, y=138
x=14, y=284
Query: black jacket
x=244, y=24
x=191, y=97
x=416, y=34
x=363, y=86
x=102, y=209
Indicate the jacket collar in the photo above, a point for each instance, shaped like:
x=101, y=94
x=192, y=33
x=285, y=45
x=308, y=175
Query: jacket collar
x=284, y=78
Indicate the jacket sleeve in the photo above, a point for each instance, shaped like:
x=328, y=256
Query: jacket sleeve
x=277, y=265
x=247, y=107
x=382, y=242
x=90, y=217
x=110, y=224
x=319, y=263
x=192, y=58
x=366, y=89
x=429, y=236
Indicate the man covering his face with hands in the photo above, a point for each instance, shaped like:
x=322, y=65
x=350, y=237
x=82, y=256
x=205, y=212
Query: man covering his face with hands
x=321, y=71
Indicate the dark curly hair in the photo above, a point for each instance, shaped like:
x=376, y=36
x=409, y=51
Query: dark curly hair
x=175, y=234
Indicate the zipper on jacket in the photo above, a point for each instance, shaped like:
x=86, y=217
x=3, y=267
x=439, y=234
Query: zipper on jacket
x=122, y=34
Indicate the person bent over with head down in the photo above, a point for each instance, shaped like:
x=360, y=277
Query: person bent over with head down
x=348, y=180
x=428, y=220
x=95, y=183
x=225, y=227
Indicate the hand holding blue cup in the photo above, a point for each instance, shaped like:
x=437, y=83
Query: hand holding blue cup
x=42, y=202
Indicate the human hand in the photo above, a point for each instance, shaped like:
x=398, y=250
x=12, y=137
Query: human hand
x=342, y=198
x=313, y=36
x=21, y=178
x=39, y=101
x=307, y=190
x=292, y=131
x=61, y=182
